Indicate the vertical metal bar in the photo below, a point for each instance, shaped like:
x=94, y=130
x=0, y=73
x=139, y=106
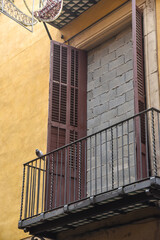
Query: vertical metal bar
x=60, y=190
x=106, y=162
x=154, y=146
x=135, y=160
x=34, y=188
x=140, y=144
x=65, y=187
x=146, y=137
x=27, y=187
x=112, y=160
x=129, y=167
x=90, y=166
x=95, y=163
x=85, y=168
x=117, y=156
x=38, y=185
x=80, y=160
x=123, y=158
x=56, y=187
x=101, y=158
x=75, y=168
x=30, y=194
x=44, y=167
x=22, y=196
x=52, y=182
x=47, y=185
x=70, y=163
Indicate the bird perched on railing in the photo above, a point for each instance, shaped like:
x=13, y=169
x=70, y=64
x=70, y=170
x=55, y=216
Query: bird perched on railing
x=39, y=154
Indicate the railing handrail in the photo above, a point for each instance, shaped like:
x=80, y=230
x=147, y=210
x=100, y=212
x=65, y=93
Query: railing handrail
x=93, y=134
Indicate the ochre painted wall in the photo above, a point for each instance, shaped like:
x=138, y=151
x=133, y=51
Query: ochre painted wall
x=24, y=82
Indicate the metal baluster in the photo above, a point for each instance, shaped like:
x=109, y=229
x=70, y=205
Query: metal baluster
x=47, y=185
x=95, y=163
x=129, y=167
x=117, y=156
x=70, y=163
x=65, y=188
x=34, y=188
x=27, y=187
x=112, y=162
x=38, y=185
x=106, y=162
x=123, y=158
x=44, y=166
x=80, y=159
x=60, y=190
x=90, y=166
x=135, y=158
x=22, y=196
x=85, y=169
x=146, y=137
x=101, y=157
x=30, y=197
x=154, y=146
x=75, y=168
x=52, y=182
x=56, y=187
x=140, y=144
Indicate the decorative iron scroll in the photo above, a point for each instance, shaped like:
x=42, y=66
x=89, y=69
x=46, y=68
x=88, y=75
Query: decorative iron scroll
x=8, y=8
x=50, y=11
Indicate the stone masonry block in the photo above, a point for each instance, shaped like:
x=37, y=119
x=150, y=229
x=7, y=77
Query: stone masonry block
x=116, y=63
x=124, y=88
x=108, y=58
x=125, y=68
x=117, y=102
x=116, y=44
x=108, y=76
x=129, y=75
x=124, y=49
x=130, y=95
x=117, y=81
x=127, y=106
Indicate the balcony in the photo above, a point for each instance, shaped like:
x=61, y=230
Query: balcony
x=114, y=171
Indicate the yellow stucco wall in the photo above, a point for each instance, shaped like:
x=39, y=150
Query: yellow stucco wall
x=24, y=82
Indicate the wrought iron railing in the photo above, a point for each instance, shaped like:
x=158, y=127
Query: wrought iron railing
x=121, y=154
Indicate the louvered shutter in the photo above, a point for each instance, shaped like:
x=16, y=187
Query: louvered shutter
x=67, y=120
x=139, y=92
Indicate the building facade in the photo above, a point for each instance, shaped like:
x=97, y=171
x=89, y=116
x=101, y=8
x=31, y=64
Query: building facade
x=105, y=185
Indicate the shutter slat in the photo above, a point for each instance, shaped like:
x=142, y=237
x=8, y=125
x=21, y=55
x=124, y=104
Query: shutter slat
x=66, y=123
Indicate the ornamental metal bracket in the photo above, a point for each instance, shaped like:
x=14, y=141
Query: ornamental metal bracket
x=8, y=8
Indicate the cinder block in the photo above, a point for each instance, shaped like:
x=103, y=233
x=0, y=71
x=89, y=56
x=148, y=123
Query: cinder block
x=125, y=68
x=117, y=102
x=117, y=81
x=116, y=63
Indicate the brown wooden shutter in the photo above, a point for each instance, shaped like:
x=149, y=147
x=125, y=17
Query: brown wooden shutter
x=67, y=96
x=139, y=90
x=67, y=120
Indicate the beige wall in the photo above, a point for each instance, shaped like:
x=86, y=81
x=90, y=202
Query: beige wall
x=24, y=81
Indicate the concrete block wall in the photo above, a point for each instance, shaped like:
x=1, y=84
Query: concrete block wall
x=110, y=99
